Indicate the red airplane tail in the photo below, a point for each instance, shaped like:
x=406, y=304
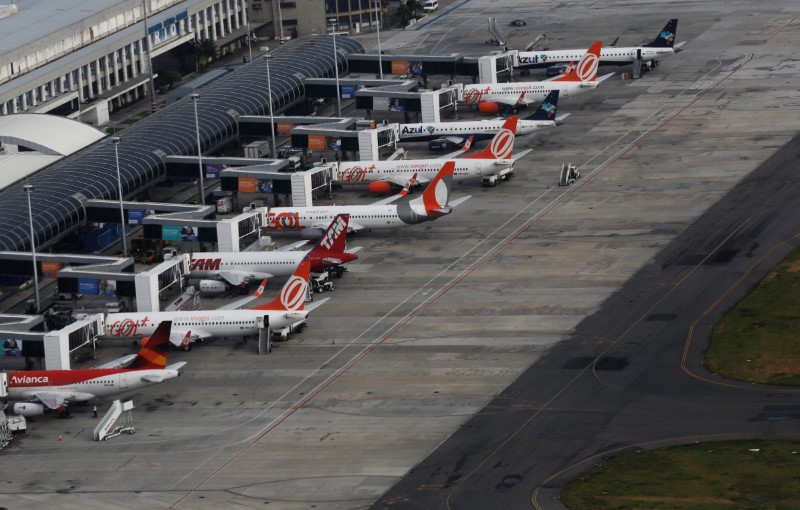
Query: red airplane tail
x=334, y=239
x=586, y=70
x=153, y=354
x=502, y=145
x=292, y=296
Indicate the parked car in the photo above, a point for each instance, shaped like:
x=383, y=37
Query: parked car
x=518, y=23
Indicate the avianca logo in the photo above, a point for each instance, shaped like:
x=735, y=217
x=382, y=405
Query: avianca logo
x=206, y=264
x=27, y=379
x=333, y=233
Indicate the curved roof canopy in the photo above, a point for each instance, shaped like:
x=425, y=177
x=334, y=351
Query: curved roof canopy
x=47, y=134
x=61, y=189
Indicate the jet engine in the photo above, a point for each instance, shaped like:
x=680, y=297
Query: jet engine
x=28, y=409
x=212, y=286
x=312, y=234
x=488, y=107
x=380, y=187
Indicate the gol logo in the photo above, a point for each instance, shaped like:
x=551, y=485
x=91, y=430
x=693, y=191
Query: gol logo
x=587, y=67
x=284, y=220
x=473, y=96
x=502, y=144
x=293, y=294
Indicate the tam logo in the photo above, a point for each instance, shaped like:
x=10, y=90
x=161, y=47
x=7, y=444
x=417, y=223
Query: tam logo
x=333, y=233
x=27, y=379
x=206, y=264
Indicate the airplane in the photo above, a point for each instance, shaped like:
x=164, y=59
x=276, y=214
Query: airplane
x=574, y=81
x=220, y=270
x=286, y=310
x=56, y=389
x=433, y=204
x=458, y=132
x=496, y=160
x=663, y=45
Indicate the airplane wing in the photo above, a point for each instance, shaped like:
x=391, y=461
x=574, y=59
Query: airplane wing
x=182, y=337
x=352, y=226
x=53, y=399
x=406, y=188
x=237, y=278
x=614, y=43
x=235, y=305
x=122, y=362
x=296, y=245
x=460, y=151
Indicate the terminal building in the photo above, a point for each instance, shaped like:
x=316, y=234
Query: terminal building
x=83, y=59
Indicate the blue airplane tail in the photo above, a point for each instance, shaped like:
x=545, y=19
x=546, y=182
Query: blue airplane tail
x=666, y=38
x=547, y=108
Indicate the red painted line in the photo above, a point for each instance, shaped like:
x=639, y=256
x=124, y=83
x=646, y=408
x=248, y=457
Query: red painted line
x=486, y=258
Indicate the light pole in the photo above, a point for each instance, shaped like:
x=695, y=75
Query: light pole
x=249, y=48
x=274, y=154
x=28, y=190
x=378, y=19
x=201, y=191
x=336, y=68
x=115, y=140
x=153, y=104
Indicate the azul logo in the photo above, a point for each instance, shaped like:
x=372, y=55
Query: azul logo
x=533, y=59
x=128, y=327
x=206, y=264
x=430, y=129
x=333, y=233
x=667, y=36
x=411, y=130
x=28, y=379
x=549, y=108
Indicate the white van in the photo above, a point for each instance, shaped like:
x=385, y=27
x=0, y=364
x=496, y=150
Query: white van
x=430, y=5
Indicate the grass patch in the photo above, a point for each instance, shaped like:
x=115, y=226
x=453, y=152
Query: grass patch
x=757, y=341
x=708, y=476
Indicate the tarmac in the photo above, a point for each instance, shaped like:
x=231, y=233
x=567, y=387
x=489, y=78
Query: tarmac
x=484, y=359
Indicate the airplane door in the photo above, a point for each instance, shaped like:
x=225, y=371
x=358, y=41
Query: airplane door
x=123, y=381
x=638, y=53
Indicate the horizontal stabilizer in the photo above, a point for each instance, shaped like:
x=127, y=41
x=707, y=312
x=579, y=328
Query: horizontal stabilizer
x=521, y=154
x=561, y=118
x=177, y=366
x=459, y=201
x=605, y=77
x=354, y=249
x=679, y=47
x=152, y=378
x=316, y=304
x=442, y=210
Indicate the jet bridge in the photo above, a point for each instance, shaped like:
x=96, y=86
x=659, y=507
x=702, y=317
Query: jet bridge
x=298, y=187
x=227, y=233
x=54, y=346
x=152, y=285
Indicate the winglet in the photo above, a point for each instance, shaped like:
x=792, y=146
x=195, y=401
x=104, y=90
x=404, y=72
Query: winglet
x=292, y=296
x=411, y=182
x=436, y=195
x=586, y=70
x=260, y=289
x=547, y=108
x=153, y=354
x=502, y=145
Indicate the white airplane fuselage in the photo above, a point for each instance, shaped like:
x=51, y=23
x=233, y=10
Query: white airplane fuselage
x=93, y=386
x=608, y=56
x=367, y=216
x=216, y=323
x=534, y=91
x=353, y=172
x=481, y=130
x=259, y=264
